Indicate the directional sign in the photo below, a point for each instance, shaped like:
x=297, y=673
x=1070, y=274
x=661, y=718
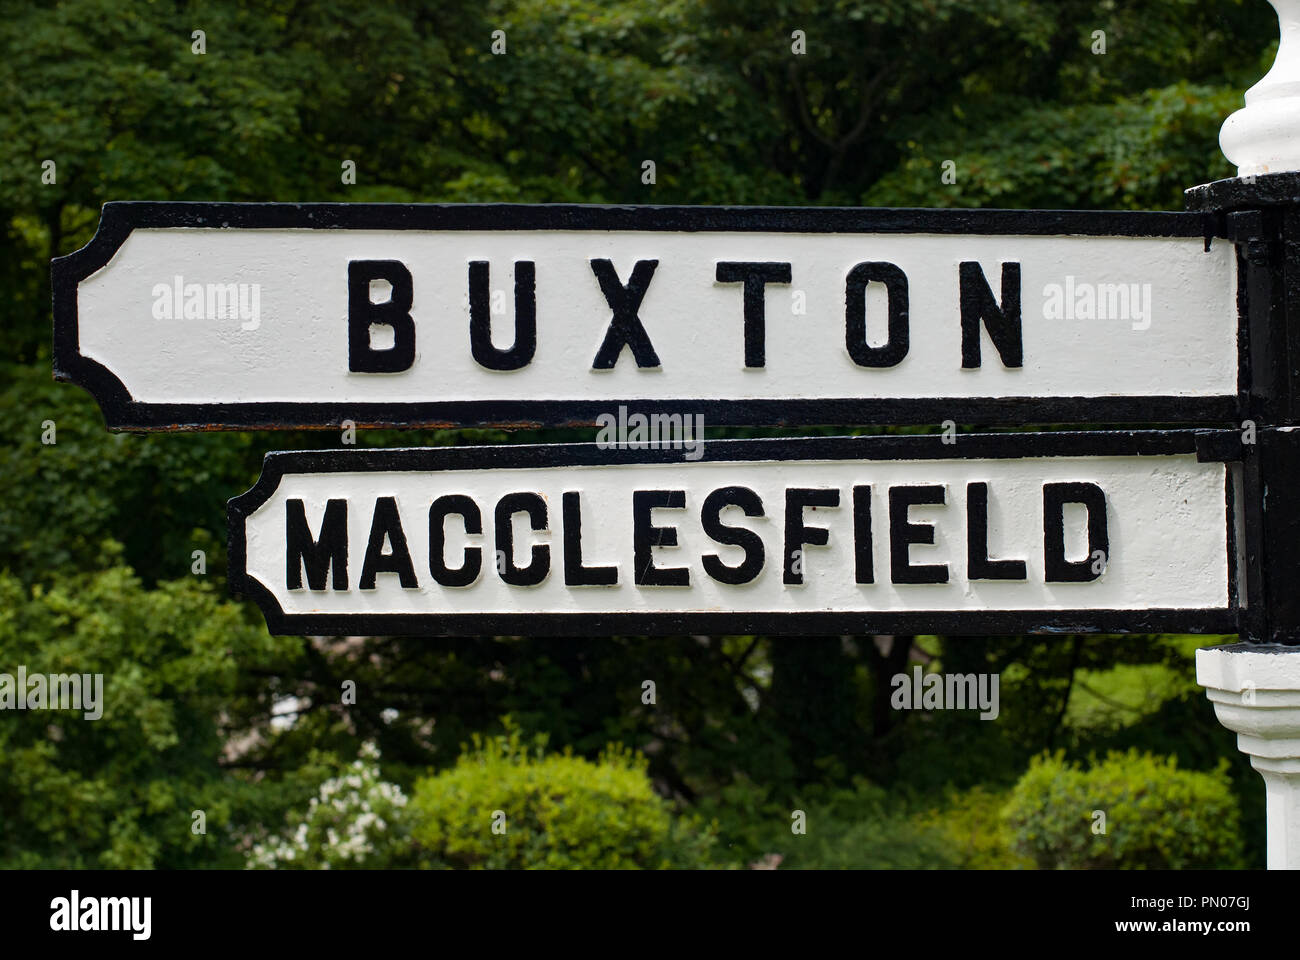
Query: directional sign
x=186, y=316
x=1064, y=532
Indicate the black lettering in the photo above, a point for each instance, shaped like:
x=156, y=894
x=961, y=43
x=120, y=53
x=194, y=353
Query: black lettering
x=646, y=536
x=1056, y=568
x=521, y=352
x=540, y=563
x=320, y=555
x=711, y=519
x=1001, y=321
x=755, y=276
x=978, y=564
x=624, y=326
x=903, y=533
x=864, y=570
x=797, y=533
x=472, y=565
x=387, y=525
x=394, y=312
x=855, y=314
x=575, y=574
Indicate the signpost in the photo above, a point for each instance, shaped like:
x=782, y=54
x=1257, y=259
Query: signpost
x=189, y=316
x=996, y=533
x=186, y=316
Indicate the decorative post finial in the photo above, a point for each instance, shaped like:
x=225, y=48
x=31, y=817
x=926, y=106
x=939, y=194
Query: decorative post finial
x=1264, y=136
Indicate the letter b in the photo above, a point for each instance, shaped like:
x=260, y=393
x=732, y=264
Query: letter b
x=363, y=313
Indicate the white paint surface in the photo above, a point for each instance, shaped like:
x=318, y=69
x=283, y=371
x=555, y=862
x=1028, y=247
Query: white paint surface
x=1256, y=695
x=298, y=351
x=1167, y=526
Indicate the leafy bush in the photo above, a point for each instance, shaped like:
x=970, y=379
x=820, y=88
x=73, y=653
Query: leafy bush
x=871, y=842
x=119, y=792
x=1156, y=816
x=973, y=832
x=508, y=804
x=862, y=827
x=357, y=820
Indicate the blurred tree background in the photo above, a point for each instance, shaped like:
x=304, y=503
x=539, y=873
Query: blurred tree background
x=206, y=711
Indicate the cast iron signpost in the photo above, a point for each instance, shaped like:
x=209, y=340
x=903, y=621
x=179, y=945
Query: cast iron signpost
x=1006, y=533
x=194, y=316
x=198, y=316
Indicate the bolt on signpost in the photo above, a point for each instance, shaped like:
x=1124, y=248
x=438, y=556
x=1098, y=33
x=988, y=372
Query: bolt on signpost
x=1255, y=684
x=188, y=316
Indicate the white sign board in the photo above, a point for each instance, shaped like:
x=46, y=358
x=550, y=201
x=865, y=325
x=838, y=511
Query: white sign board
x=994, y=533
x=181, y=316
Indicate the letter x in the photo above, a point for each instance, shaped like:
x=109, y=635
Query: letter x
x=625, y=326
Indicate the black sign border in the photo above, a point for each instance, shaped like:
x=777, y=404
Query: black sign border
x=1209, y=445
x=122, y=412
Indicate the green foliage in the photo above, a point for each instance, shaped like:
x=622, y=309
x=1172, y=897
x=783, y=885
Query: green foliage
x=973, y=831
x=860, y=826
x=63, y=499
x=944, y=750
x=552, y=811
x=1157, y=816
x=119, y=792
x=1138, y=152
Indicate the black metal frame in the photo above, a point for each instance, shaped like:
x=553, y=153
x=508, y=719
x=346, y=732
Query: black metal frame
x=1261, y=215
x=122, y=412
x=1207, y=444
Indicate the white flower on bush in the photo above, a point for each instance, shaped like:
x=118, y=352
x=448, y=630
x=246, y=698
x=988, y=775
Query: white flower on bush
x=355, y=820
